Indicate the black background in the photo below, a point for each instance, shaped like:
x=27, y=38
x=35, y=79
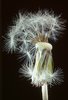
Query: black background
x=15, y=87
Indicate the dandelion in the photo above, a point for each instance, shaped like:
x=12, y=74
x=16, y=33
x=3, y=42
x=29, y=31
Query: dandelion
x=30, y=36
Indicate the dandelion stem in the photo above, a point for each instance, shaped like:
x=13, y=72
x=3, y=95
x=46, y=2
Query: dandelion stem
x=45, y=92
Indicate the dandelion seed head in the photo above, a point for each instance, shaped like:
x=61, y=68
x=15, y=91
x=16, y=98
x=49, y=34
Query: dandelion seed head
x=29, y=36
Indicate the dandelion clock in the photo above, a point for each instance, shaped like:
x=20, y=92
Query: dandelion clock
x=30, y=37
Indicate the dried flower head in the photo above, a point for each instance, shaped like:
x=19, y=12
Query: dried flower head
x=29, y=36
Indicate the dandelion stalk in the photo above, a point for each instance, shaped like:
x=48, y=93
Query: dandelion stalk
x=30, y=36
x=45, y=92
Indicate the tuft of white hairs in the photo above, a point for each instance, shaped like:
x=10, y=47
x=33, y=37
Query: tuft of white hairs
x=26, y=28
x=45, y=77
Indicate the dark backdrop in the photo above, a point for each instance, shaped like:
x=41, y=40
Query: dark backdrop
x=15, y=87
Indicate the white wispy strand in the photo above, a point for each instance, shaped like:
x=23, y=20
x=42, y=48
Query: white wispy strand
x=20, y=37
x=44, y=77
